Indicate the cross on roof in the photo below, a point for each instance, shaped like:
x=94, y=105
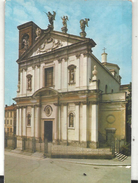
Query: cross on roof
x=104, y=49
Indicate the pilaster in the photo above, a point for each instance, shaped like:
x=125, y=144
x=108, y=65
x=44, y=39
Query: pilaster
x=21, y=81
x=94, y=132
x=20, y=121
x=24, y=121
x=37, y=126
x=33, y=79
x=59, y=74
x=32, y=122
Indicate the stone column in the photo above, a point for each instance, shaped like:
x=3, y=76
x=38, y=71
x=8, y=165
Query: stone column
x=17, y=121
x=24, y=121
x=80, y=122
x=83, y=125
x=61, y=120
x=64, y=124
x=32, y=122
x=37, y=128
x=94, y=133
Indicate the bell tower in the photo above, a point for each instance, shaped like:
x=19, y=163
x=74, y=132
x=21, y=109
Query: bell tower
x=27, y=35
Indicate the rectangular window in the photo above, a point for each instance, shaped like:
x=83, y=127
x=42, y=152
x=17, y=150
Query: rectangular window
x=7, y=114
x=10, y=122
x=11, y=114
x=10, y=129
x=7, y=129
x=7, y=121
x=49, y=77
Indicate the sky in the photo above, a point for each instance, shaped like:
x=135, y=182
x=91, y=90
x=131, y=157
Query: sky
x=110, y=26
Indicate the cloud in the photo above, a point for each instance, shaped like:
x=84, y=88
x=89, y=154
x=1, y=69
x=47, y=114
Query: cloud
x=20, y=13
x=8, y=11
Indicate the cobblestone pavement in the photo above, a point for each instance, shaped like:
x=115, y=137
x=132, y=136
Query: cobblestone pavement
x=33, y=168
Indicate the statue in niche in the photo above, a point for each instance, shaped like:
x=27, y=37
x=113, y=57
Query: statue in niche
x=29, y=83
x=51, y=17
x=64, y=21
x=25, y=41
x=83, y=24
x=71, y=120
x=72, y=76
x=29, y=120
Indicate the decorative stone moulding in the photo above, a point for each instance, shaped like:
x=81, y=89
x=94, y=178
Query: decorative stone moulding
x=60, y=60
x=48, y=110
x=78, y=55
x=110, y=119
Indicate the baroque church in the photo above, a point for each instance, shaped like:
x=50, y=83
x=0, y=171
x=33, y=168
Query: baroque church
x=65, y=94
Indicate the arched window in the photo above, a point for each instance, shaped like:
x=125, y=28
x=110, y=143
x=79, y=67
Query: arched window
x=29, y=82
x=105, y=88
x=71, y=120
x=71, y=74
x=29, y=120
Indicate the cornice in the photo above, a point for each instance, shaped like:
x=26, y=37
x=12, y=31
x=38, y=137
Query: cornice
x=68, y=49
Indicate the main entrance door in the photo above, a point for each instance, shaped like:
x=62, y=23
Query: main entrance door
x=48, y=128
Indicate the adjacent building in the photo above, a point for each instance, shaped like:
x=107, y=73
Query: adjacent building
x=65, y=94
x=10, y=119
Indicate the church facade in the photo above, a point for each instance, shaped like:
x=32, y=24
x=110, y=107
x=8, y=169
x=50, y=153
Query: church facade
x=65, y=94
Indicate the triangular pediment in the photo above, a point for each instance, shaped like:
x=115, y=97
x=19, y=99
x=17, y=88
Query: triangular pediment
x=50, y=41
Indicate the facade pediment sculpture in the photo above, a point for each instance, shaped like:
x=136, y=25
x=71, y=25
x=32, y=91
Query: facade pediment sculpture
x=48, y=45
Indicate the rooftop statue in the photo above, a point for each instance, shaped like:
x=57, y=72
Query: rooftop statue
x=51, y=17
x=83, y=24
x=64, y=22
